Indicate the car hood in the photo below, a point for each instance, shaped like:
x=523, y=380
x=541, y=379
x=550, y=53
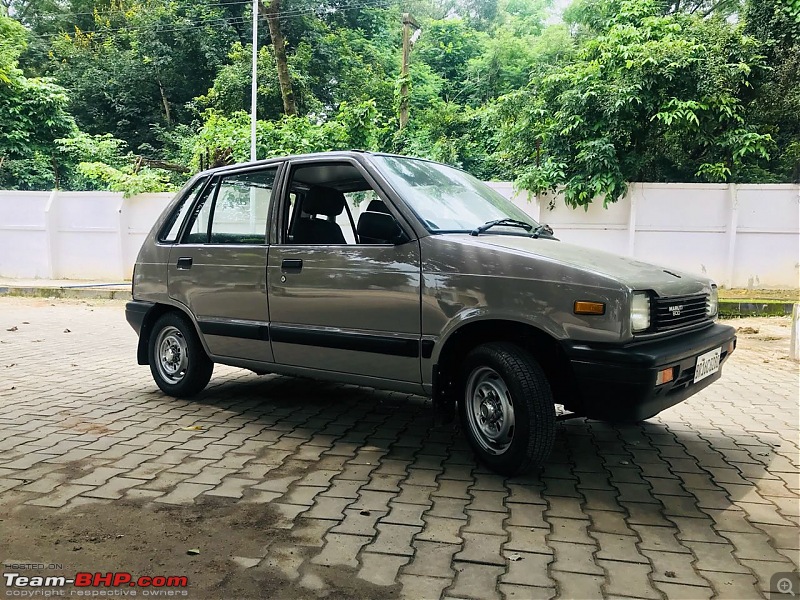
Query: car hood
x=635, y=274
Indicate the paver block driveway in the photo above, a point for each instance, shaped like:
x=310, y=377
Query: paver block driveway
x=291, y=488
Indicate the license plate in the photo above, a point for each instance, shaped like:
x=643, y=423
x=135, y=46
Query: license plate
x=707, y=364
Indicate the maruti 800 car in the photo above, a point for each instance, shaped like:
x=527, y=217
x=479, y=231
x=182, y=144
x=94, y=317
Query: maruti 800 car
x=405, y=274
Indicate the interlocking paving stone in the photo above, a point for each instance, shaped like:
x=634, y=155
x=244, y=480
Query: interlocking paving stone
x=482, y=521
x=605, y=521
x=476, y=581
x=779, y=536
x=488, y=501
x=114, y=488
x=432, y=559
x=61, y=496
x=357, y=522
x=618, y=548
x=762, y=513
x=575, y=558
x=232, y=487
x=438, y=529
x=524, y=592
x=405, y=514
x=482, y=548
x=568, y=508
x=707, y=487
x=421, y=477
x=303, y=494
x=627, y=579
x=384, y=483
x=380, y=569
x=421, y=587
x=43, y=485
x=570, y=530
x=449, y=508
x=662, y=539
x=578, y=585
x=28, y=460
x=394, y=539
x=527, y=515
x=674, y=568
x=647, y=514
x=527, y=539
x=527, y=569
x=453, y=489
x=184, y=493
x=764, y=570
x=343, y=488
x=731, y=585
x=676, y=591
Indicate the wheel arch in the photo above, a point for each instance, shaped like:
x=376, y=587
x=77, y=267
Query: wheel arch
x=156, y=312
x=543, y=346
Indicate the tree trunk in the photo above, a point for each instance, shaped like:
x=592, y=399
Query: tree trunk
x=273, y=13
x=166, y=103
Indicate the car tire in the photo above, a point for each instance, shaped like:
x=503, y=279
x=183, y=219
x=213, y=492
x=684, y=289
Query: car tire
x=506, y=408
x=178, y=362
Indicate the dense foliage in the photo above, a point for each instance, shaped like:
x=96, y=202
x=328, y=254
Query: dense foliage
x=133, y=95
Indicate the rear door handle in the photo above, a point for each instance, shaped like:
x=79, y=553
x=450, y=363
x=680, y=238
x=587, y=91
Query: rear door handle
x=184, y=263
x=291, y=265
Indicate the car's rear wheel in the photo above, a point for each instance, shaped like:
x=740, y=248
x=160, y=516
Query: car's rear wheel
x=178, y=362
x=507, y=409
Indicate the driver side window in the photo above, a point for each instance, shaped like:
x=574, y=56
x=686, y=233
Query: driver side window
x=332, y=204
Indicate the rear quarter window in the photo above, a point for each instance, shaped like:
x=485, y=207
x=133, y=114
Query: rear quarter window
x=171, y=229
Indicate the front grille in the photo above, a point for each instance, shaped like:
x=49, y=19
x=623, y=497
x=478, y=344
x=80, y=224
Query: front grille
x=675, y=312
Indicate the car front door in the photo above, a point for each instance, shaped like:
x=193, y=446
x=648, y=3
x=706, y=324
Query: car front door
x=335, y=304
x=218, y=270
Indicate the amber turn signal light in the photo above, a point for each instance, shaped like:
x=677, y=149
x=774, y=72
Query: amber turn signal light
x=665, y=376
x=583, y=307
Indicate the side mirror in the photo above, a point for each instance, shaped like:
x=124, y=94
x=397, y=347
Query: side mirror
x=379, y=228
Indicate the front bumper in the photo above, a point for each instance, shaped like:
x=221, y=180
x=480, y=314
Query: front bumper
x=619, y=382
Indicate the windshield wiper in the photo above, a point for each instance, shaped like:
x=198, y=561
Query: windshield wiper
x=542, y=229
x=505, y=222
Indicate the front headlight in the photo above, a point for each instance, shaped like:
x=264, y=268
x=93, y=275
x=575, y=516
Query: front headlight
x=640, y=312
x=712, y=304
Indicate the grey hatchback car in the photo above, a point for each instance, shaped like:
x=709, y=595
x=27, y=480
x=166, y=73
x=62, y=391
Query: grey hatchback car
x=405, y=274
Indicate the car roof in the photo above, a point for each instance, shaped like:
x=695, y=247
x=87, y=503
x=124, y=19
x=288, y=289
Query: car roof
x=321, y=155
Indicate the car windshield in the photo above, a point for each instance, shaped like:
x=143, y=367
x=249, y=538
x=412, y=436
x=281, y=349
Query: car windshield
x=448, y=200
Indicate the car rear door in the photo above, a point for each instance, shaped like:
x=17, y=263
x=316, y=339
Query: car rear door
x=218, y=270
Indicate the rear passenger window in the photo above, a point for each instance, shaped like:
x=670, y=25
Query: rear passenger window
x=240, y=212
x=235, y=212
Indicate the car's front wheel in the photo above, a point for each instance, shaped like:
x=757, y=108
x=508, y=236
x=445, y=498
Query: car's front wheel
x=507, y=409
x=178, y=362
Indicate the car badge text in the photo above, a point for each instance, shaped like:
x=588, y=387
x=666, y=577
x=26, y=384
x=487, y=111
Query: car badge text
x=676, y=310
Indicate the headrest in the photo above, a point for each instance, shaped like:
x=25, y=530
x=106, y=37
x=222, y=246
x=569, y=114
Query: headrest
x=323, y=201
x=377, y=227
x=377, y=206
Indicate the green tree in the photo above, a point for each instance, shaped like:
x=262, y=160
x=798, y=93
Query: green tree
x=33, y=116
x=353, y=126
x=648, y=97
x=138, y=65
x=776, y=103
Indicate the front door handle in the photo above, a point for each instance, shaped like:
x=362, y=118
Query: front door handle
x=184, y=263
x=291, y=265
